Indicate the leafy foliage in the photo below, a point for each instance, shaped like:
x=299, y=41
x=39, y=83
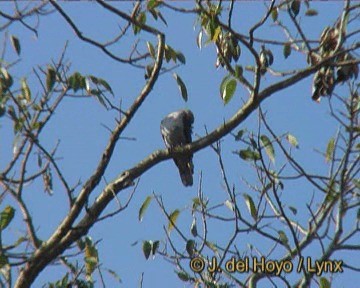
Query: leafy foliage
x=172, y=219
x=182, y=87
x=6, y=216
x=227, y=88
x=144, y=207
x=16, y=44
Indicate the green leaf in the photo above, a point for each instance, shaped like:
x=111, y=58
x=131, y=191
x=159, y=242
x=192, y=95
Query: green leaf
x=16, y=44
x=293, y=210
x=151, y=49
x=19, y=124
x=50, y=78
x=211, y=27
x=266, y=188
x=82, y=81
x=134, y=243
x=162, y=18
x=292, y=140
x=193, y=228
x=149, y=69
x=35, y=125
x=146, y=247
x=287, y=50
x=3, y=260
x=251, y=206
x=16, y=144
x=7, y=80
x=330, y=150
x=239, y=135
x=269, y=148
x=199, y=39
x=144, y=207
x=295, y=7
x=356, y=183
x=154, y=13
x=19, y=241
x=331, y=193
x=274, y=14
x=6, y=216
x=98, y=95
x=190, y=247
x=154, y=247
x=217, y=32
x=196, y=203
x=253, y=143
x=238, y=71
x=153, y=4
x=99, y=82
x=229, y=205
x=269, y=56
x=283, y=238
x=2, y=110
x=249, y=155
x=332, y=187
x=235, y=51
x=172, y=219
x=76, y=81
x=324, y=283
x=183, y=276
x=141, y=19
x=114, y=275
x=106, y=85
x=93, y=79
x=212, y=246
x=25, y=90
x=91, y=256
x=167, y=54
x=227, y=88
x=81, y=244
x=311, y=12
x=181, y=86
x=170, y=53
x=250, y=68
x=180, y=56
x=223, y=83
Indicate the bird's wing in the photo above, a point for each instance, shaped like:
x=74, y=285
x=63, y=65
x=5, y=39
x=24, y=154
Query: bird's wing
x=172, y=130
x=176, y=131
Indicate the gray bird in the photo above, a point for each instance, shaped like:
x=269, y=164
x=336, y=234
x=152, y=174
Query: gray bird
x=176, y=129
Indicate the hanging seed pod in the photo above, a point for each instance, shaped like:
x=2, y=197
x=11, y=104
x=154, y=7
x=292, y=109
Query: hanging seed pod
x=346, y=72
x=323, y=83
x=227, y=49
x=266, y=59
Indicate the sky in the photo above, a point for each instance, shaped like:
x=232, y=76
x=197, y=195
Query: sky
x=78, y=127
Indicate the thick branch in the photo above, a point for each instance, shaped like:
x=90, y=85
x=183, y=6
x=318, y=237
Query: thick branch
x=55, y=245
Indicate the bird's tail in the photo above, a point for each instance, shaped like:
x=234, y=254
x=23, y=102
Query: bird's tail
x=186, y=170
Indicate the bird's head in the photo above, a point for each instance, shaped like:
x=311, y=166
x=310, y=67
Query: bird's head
x=188, y=117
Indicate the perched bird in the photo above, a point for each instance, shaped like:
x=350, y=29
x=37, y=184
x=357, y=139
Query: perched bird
x=176, y=129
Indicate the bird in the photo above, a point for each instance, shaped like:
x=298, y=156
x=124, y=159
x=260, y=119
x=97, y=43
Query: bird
x=176, y=130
